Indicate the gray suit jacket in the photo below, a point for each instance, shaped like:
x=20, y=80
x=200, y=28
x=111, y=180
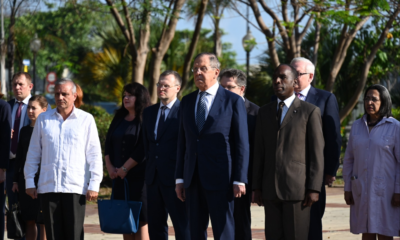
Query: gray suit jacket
x=290, y=160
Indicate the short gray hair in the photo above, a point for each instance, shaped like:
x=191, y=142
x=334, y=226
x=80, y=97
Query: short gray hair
x=214, y=63
x=238, y=75
x=65, y=81
x=310, y=68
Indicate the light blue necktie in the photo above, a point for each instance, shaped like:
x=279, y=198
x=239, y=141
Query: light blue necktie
x=201, y=111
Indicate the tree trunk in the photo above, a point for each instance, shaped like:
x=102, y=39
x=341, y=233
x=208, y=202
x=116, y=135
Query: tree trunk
x=11, y=51
x=193, y=44
x=316, y=44
x=367, y=65
x=160, y=50
x=217, y=38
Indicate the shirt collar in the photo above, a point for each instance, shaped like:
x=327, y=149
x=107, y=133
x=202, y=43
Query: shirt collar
x=26, y=100
x=305, y=91
x=75, y=112
x=288, y=101
x=169, y=105
x=384, y=119
x=213, y=89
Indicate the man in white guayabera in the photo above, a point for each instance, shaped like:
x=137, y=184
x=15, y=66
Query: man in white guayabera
x=65, y=149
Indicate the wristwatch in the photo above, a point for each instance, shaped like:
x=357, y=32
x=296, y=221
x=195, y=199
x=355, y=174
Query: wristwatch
x=124, y=168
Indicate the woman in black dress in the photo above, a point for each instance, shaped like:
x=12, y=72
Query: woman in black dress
x=124, y=152
x=29, y=207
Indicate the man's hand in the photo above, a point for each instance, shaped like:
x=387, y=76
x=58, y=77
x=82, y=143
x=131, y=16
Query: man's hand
x=311, y=197
x=15, y=187
x=329, y=180
x=396, y=200
x=257, y=198
x=239, y=190
x=32, y=192
x=121, y=173
x=180, y=191
x=2, y=175
x=348, y=197
x=91, y=195
x=12, y=133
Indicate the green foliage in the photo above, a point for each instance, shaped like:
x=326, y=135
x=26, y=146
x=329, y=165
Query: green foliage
x=396, y=113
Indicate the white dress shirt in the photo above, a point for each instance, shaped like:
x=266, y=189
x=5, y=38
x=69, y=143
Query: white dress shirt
x=304, y=93
x=209, y=99
x=68, y=152
x=14, y=110
x=288, y=102
x=166, y=112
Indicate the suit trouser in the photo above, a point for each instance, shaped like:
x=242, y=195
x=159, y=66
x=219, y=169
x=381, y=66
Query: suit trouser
x=203, y=204
x=286, y=220
x=316, y=214
x=63, y=215
x=161, y=201
x=242, y=215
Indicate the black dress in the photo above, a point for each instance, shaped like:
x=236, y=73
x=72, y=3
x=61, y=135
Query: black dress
x=124, y=140
x=29, y=207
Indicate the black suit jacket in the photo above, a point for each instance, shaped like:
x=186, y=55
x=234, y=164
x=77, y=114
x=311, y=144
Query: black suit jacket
x=252, y=112
x=5, y=133
x=161, y=152
x=329, y=108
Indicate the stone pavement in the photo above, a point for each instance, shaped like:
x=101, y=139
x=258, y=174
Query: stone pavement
x=335, y=221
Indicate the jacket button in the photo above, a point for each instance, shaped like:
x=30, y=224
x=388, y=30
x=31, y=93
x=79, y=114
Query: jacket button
x=156, y=156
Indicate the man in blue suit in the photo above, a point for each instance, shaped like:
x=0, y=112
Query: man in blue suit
x=5, y=141
x=160, y=133
x=213, y=152
x=328, y=105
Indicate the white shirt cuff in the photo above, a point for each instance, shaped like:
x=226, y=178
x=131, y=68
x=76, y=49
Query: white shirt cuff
x=179, y=180
x=238, y=183
x=30, y=183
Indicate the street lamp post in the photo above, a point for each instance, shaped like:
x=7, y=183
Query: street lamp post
x=248, y=43
x=35, y=46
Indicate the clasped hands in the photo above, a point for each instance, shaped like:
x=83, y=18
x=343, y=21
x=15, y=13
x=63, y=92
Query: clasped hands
x=116, y=172
x=238, y=191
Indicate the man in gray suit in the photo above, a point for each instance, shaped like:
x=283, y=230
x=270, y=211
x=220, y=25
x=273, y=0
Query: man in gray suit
x=288, y=159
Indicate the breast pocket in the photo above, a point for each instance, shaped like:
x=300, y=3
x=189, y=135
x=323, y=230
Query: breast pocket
x=387, y=142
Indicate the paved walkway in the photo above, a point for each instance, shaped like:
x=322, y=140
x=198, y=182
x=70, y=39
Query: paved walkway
x=335, y=221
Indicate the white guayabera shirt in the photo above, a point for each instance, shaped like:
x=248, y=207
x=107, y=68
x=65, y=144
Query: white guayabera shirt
x=68, y=152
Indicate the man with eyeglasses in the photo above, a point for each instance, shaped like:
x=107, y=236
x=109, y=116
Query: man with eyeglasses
x=160, y=133
x=213, y=152
x=328, y=105
x=235, y=81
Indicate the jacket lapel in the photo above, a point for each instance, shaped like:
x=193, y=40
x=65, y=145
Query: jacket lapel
x=192, y=108
x=312, y=96
x=153, y=120
x=215, y=107
x=171, y=114
x=291, y=112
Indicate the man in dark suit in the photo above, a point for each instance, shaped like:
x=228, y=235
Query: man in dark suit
x=235, y=81
x=5, y=141
x=288, y=159
x=213, y=152
x=160, y=132
x=328, y=106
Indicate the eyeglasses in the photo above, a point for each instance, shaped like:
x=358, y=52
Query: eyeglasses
x=230, y=87
x=202, y=69
x=301, y=74
x=164, y=86
x=373, y=99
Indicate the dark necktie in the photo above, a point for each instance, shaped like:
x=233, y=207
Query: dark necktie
x=161, y=121
x=201, y=111
x=17, y=120
x=279, y=115
x=298, y=94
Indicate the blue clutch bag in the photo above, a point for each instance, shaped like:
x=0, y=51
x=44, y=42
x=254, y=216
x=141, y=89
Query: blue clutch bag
x=119, y=216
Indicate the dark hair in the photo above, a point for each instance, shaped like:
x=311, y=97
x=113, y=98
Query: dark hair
x=19, y=74
x=79, y=96
x=142, y=99
x=385, y=110
x=178, y=78
x=239, y=76
x=292, y=69
x=40, y=99
x=213, y=59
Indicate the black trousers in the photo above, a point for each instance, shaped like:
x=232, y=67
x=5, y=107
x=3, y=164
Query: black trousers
x=242, y=216
x=316, y=214
x=286, y=220
x=63, y=215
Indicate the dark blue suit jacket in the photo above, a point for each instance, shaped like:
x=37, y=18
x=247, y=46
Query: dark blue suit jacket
x=5, y=133
x=221, y=149
x=328, y=105
x=161, y=152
